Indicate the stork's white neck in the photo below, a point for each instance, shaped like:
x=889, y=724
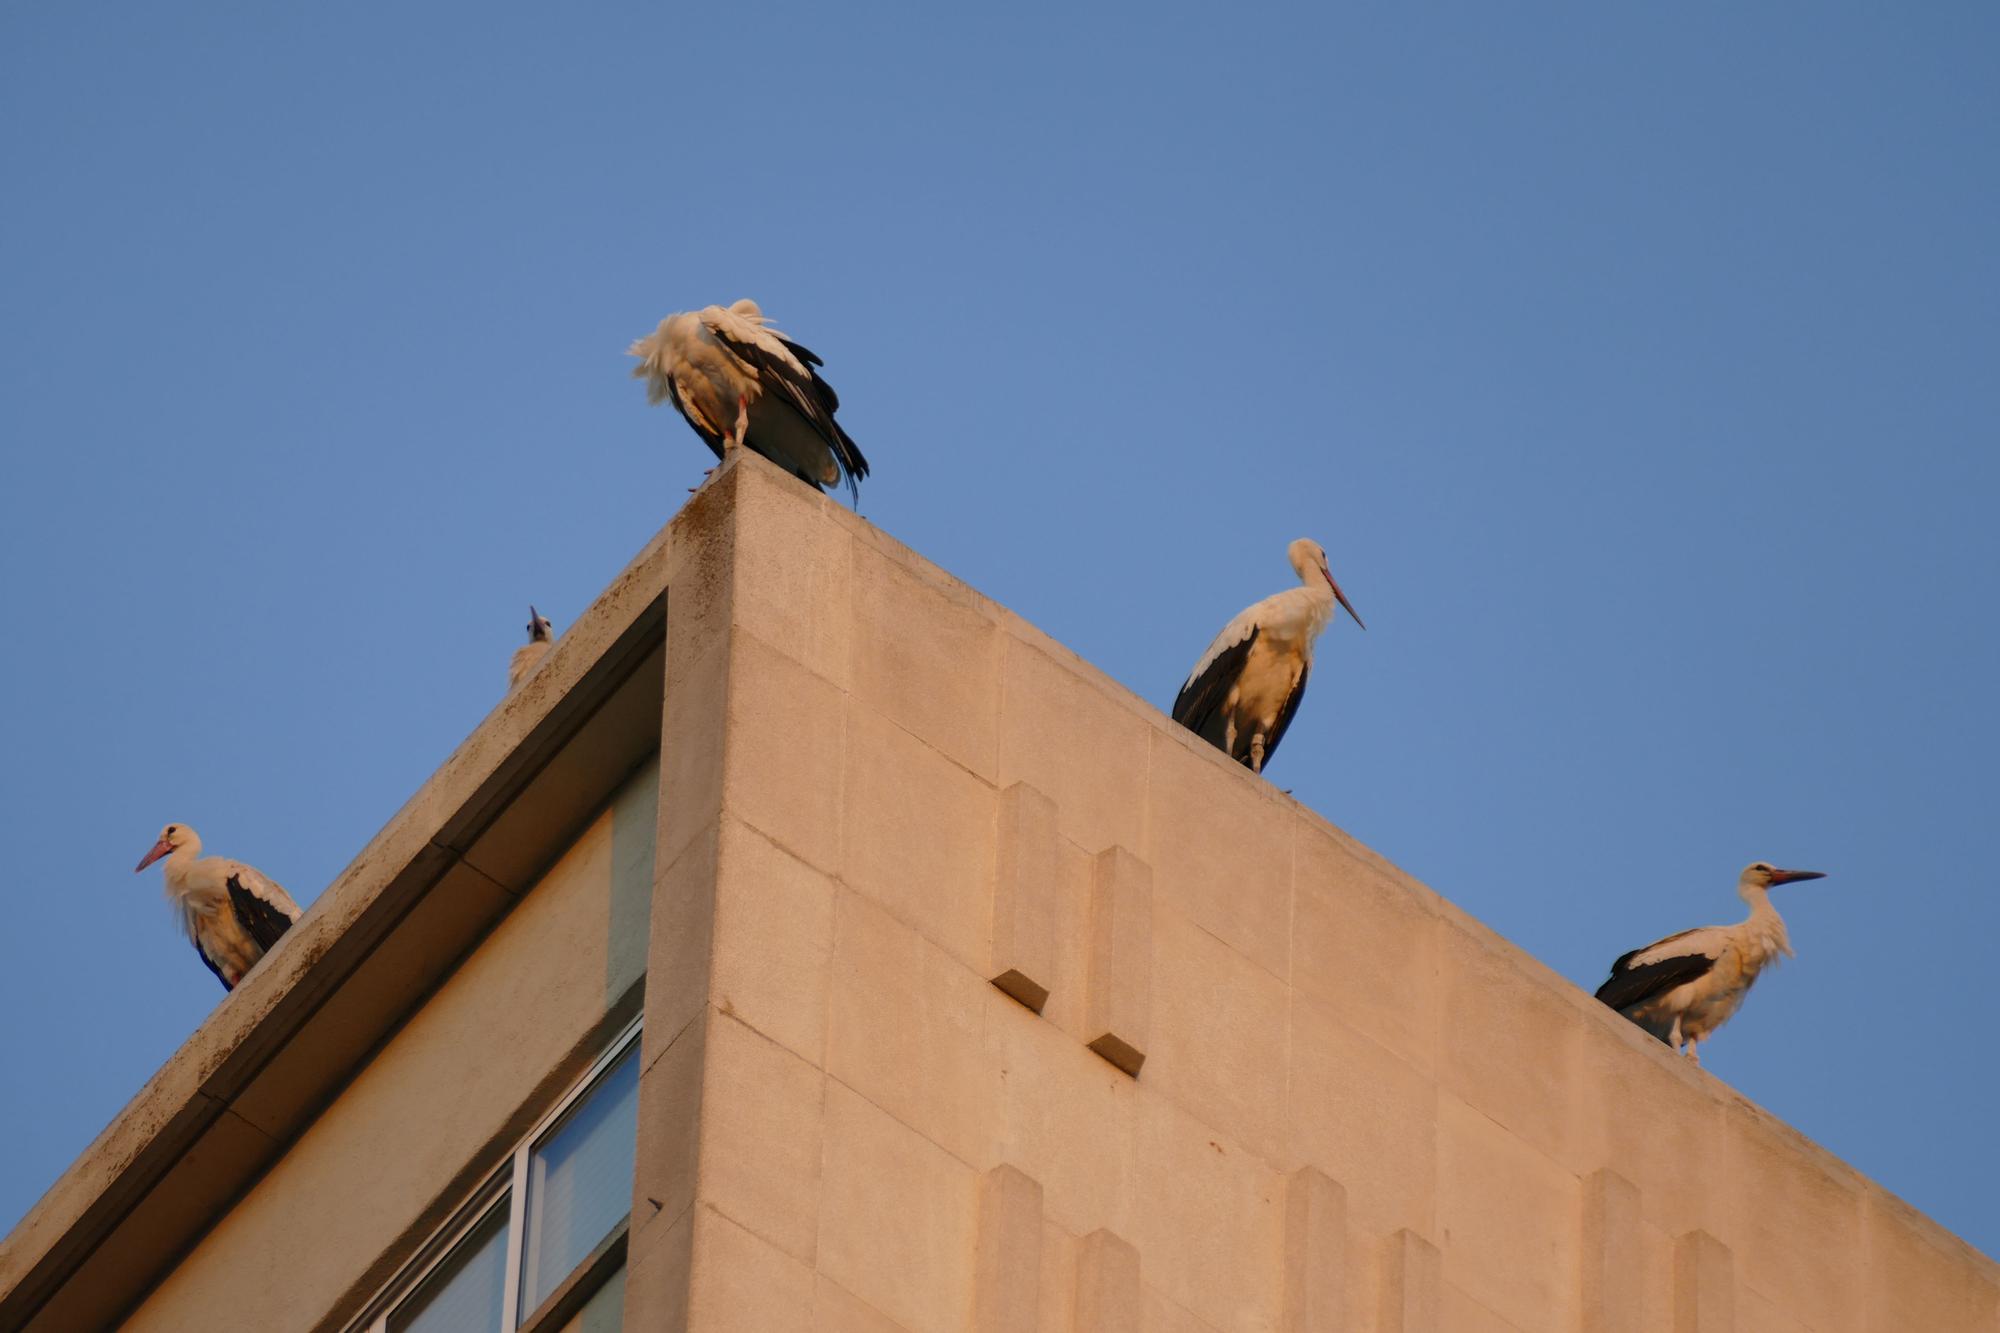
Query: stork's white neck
x=1765, y=929
x=1320, y=593
x=182, y=858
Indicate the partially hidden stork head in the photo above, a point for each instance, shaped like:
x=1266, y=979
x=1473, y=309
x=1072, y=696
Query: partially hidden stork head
x=1762, y=876
x=539, y=629
x=1309, y=559
x=172, y=838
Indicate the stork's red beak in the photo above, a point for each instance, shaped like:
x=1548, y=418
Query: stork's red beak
x=1341, y=595
x=160, y=849
x=1794, y=876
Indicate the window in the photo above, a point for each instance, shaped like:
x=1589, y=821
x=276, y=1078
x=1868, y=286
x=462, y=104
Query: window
x=580, y=1180
x=544, y=1235
x=466, y=1290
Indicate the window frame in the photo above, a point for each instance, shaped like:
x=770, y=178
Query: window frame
x=510, y=1178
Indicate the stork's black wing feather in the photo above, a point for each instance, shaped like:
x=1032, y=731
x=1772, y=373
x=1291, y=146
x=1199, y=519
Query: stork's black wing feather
x=1628, y=985
x=1624, y=960
x=202, y=954
x=1197, y=705
x=805, y=354
x=262, y=921
x=1285, y=717
x=811, y=396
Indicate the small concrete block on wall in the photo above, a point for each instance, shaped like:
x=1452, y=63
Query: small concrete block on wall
x=1613, y=1262
x=1704, y=1285
x=1315, y=1253
x=1118, y=1007
x=1109, y=1298
x=1026, y=884
x=1412, y=1285
x=1007, y=1272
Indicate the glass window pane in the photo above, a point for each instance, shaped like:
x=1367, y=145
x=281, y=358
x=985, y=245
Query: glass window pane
x=463, y=1294
x=604, y=1312
x=580, y=1180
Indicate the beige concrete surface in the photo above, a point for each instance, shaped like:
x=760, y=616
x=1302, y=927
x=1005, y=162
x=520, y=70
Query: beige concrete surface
x=1354, y=1107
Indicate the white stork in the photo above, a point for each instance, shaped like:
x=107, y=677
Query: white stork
x=1241, y=695
x=529, y=655
x=234, y=913
x=740, y=382
x=1684, y=987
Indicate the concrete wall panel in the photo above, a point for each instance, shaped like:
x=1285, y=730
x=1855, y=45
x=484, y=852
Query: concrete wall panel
x=898, y=1216
x=919, y=835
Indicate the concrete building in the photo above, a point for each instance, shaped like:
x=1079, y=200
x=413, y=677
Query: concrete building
x=746, y=970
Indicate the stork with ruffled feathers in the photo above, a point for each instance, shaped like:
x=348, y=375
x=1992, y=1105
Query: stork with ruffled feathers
x=1243, y=693
x=742, y=384
x=233, y=913
x=1682, y=988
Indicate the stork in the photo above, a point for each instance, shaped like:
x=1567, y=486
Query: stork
x=1242, y=694
x=234, y=913
x=740, y=382
x=529, y=655
x=1684, y=987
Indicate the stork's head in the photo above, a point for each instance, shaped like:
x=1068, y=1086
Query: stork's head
x=1762, y=876
x=539, y=629
x=1309, y=559
x=172, y=838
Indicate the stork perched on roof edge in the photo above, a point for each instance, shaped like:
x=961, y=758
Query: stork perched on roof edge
x=233, y=913
x=740, y=382
x=530, y=654
x=1242, y=694
x=1684, y=987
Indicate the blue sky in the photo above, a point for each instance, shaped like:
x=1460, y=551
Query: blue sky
x=1636, y=365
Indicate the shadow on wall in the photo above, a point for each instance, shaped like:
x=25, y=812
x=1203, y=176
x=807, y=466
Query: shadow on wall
x=634, y=830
